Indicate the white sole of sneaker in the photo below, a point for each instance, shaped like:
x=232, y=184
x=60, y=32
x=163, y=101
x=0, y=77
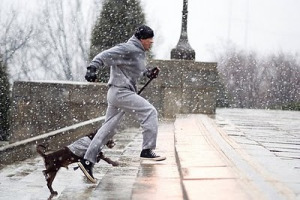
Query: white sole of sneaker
x=154, y=159
x=86, y=173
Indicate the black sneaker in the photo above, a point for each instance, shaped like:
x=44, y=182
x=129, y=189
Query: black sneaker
x=148, y=154
x=87, y=168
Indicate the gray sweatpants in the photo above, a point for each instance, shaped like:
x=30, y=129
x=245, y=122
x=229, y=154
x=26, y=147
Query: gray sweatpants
x=120, y=101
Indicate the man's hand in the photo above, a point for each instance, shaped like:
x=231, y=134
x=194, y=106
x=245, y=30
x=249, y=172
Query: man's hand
x=153, y=72
x=91, y=74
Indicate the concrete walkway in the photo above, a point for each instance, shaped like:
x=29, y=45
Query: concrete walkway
x=269, y=141
x=207, y=173
x=236, y=154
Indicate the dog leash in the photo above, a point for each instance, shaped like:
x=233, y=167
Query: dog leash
x=141, y=90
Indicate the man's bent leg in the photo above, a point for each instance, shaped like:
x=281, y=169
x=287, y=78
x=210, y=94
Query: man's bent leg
x=147, y=116
x=106, y=132
x=142, y=110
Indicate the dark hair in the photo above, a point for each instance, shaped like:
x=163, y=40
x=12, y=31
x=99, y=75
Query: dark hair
x=144, y=32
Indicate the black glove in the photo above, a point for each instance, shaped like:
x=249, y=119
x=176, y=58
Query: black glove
x=153, y=72
x=91, y=74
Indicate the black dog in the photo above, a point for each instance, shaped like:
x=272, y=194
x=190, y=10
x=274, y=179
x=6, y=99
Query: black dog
x=64, y=157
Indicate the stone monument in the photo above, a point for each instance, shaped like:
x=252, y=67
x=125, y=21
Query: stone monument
x=183, y=49
x=185, y=86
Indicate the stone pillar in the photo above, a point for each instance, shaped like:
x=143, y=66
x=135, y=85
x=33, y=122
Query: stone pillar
x=188, y=86
x=183, y=87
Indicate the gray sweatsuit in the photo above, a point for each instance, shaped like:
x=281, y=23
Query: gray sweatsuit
x=127, y=65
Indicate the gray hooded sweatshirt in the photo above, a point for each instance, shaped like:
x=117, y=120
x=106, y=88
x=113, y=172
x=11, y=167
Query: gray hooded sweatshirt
x=126, y=62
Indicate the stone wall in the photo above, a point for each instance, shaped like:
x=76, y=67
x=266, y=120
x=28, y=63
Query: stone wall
x=184, y=87
x=41, y=107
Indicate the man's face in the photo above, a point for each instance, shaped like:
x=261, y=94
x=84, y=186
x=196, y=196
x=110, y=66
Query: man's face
x=147, y=43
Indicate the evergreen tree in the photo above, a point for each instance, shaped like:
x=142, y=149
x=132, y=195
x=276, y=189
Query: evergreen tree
x=4, y=101
x=116, y=24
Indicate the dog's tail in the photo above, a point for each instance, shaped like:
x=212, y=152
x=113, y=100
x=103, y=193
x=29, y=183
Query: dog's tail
x=40, y=148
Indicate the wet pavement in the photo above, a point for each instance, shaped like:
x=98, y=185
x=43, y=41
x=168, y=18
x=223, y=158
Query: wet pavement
x=236, y=154
x=270, y=141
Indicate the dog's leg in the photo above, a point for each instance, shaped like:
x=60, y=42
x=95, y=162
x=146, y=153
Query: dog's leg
x=50, y=178
x=108, y=160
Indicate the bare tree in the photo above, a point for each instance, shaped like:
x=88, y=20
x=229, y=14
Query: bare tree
x=253, y=82
x=284, y=80
x=58, y=46
x=62, y=50
x=13, y=37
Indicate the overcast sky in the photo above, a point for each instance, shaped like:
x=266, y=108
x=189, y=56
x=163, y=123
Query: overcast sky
x=265, y=26
x=261, y=25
